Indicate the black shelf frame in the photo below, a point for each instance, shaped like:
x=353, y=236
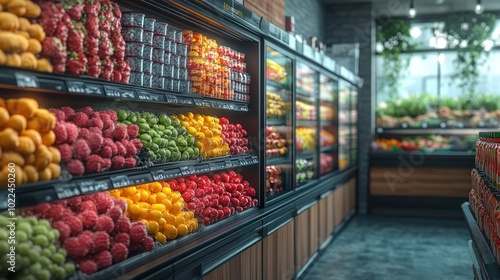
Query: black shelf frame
x=32, y=194
x=432, y=131
x=488, y=265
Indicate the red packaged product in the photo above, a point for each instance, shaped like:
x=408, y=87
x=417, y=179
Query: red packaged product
x=195, y=50
x=187, y=36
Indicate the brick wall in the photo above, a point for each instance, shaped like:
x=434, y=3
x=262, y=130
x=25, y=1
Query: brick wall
x=309, y=17
x=354, y=23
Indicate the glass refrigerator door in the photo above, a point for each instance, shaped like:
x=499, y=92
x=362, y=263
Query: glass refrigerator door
x=306, y=124
x=328, y=97
x=279, y=136
x=354, y=126
x=344, y=125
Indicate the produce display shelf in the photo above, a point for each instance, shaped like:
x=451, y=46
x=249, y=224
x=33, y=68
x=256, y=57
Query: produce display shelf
x=277, y=160
x=488, y=265
x=435, y=131
x=327, y=123
x=70, y=187
x=305, y=98
x=17, y=79
x=423, y=159
x=328, y=148
x=307, y=154
x=304, y=93
x=278, y=122
x=278, y=85
x=306, y=122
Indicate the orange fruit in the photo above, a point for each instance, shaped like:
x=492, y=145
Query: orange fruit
x=155, y=215
x=144, y=195
x=177, y=207
x=143, y=214
x=48, y=138
x=134, y=210
x=160, y=237
x=166, y=190
x=155, y=187
x=4, y=116
x=130, y=191
x=182, y=230
x=169, y=218
x=152, y=199
x=162, y=222
x=167, y=202
x=55, y=170
x=56, y=155
x=153, y=227
x=31, y=173
x=159, y=207
x=170, y=231
x=180, y=218
x=45, y=174
x=160, y=196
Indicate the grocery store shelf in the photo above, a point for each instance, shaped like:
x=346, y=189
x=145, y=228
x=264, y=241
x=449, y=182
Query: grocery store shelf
x=278, y=85
x=277, y=160
x=304, y=93
x=276, y=122
x=423, y=159
x=66, y=188
x=487, y=262
x=305, y=98
x=327, y=123
x=328, y=148
x=433, y=131
x=307, y=154
x=17, y=79
x=307, y=123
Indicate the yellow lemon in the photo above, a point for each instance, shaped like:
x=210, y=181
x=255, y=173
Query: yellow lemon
x=160, y=237
x=182, y=230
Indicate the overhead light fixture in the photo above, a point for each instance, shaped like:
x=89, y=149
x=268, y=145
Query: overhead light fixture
x=479, y=7
x=412, y=12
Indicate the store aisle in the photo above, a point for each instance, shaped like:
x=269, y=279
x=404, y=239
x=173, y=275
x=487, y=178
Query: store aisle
x=375, y=248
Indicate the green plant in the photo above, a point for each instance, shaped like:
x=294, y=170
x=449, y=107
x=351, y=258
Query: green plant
x=412, y=106
x=466, y=34
x=395, y=38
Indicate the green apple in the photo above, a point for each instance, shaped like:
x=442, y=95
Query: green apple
x=40, y=230
x=41, y=240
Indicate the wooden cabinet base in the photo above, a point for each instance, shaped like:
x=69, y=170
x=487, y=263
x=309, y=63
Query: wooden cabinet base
x=245, y=266
x=434, y=182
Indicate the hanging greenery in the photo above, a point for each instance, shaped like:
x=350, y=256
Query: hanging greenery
x=467, y=34
x=394, y=36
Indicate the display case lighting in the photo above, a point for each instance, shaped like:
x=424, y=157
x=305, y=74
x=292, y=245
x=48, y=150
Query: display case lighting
x=412, y=12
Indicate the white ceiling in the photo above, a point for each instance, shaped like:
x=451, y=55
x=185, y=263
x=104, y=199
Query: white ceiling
x=423, y=7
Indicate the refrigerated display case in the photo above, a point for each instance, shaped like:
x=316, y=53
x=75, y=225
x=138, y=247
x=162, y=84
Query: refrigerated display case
x=306, y=123
x=278, y=121
x=328, y=111
x=344, y=125
x=353, y=122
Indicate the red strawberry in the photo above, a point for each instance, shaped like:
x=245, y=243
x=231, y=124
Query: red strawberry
x=93, y=7
x=104, y=24
x=77, y=64
x=66, y=19
x=94, y=66
x=49, y=25
x=76, y=11
x=51, y=10
x=105, y=49
x=116, y=10
x=117, y=76
x=75, y=38
x=62, y=32
x=53, y=47
x=92, y=26
x=59, y=64
x=107, y=69
x=91, y=45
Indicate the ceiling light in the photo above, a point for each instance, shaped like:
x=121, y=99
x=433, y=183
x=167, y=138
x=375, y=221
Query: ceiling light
x=441, y=58
x=415, y=32
x=479, y=8
x=412, y=12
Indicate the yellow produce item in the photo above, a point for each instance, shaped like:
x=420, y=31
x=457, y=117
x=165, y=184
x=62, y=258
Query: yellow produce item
x=3, y=58
x=17, y=7
x=56, y=155
x=43, y=157
x=9, y=140
x=36, y=31
x=29, y=159
x=4, y=176
x=45, y=174
x=29, y=61
x=26, y=107
x=48, y=138
x=17, y=122
x=44, y=66
x=32, y=10
x=9, y=21
x=4, y=117
x=13, y=60
x=34, y=135
x=12, y=157
x=24, y=24
x=24, y=34
x=55, y=170
x=34, y=46
x=31, y=173
x=26, y=146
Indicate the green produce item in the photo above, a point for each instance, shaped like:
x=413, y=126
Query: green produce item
x=36, y=248
x=164, y=138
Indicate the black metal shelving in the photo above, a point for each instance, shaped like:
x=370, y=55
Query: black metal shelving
x=488, y=266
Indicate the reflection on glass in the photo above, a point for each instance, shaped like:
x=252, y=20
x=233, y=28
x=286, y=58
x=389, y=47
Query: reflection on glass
x=306, y=134
x=278, y=123
x=344, y=125
x=328, y=91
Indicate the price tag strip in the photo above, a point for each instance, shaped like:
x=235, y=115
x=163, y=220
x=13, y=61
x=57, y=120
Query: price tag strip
x=85, y=88
x=26, y=80
x=67, y=190
x=120, y=181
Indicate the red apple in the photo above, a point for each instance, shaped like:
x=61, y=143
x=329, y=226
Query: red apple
x=235, y=201
x=224, y=200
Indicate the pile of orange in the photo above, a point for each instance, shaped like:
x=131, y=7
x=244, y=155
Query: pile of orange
x=26, y=139
x=207, y=132
x=160, y=209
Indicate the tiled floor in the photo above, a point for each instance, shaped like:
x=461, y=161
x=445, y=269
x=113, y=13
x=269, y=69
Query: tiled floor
x=375, y=248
